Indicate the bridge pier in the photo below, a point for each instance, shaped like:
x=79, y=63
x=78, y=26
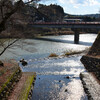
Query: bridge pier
x=76, y=36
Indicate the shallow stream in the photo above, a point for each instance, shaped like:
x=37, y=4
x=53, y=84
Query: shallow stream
x=57, y=78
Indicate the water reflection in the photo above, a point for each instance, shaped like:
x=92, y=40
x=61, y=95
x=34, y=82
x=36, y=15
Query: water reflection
x=84, y=39
x=48, y=87
x=64, y=41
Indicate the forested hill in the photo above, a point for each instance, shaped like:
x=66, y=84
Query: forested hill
x=54, y=12
x=17, y=24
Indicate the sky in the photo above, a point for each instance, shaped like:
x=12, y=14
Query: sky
x=79, y=7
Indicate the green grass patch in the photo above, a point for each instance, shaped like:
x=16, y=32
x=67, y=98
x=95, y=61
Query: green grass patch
x=26, y=88
x=11, y=78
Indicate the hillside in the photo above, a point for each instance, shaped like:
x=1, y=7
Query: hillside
x=54, y=12
x=17, y=25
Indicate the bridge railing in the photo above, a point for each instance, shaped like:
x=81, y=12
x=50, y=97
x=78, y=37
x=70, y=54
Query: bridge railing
x=60, y=23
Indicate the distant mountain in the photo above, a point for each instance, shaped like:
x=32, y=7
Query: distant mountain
x=88, y=15
x=93, y=15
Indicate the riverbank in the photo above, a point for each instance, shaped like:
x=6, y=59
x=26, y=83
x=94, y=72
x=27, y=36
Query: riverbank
x=14, y=84
x=40, y=32
x=91, y=80
x=91, y=85
x=55, y=33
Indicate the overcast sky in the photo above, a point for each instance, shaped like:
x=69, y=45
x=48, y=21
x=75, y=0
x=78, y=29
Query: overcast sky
x=77, y=6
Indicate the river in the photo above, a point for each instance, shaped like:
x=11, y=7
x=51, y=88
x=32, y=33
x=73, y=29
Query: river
x=57, y=78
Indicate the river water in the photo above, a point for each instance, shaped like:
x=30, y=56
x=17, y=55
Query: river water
x=57, y=78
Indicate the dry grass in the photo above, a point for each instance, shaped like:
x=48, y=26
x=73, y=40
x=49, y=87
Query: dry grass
x=53, y=55
x=26, y=87
x=72, y=52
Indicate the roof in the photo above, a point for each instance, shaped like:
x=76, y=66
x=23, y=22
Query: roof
x=73, y=19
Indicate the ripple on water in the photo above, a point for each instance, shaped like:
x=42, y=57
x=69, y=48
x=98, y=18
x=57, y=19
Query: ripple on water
x=62, y=66
x=52, y=84
x=57, y=87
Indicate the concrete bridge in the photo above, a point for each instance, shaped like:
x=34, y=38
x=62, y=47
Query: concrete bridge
x=75, y=26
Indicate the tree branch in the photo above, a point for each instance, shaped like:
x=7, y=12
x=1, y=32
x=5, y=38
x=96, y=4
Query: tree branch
x=8, y=46
x=30, y=1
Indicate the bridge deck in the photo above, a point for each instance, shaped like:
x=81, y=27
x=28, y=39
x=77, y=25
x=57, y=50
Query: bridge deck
x=95, y=25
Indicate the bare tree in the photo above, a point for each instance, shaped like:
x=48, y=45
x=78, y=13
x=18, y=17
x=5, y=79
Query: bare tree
x=8, y=8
